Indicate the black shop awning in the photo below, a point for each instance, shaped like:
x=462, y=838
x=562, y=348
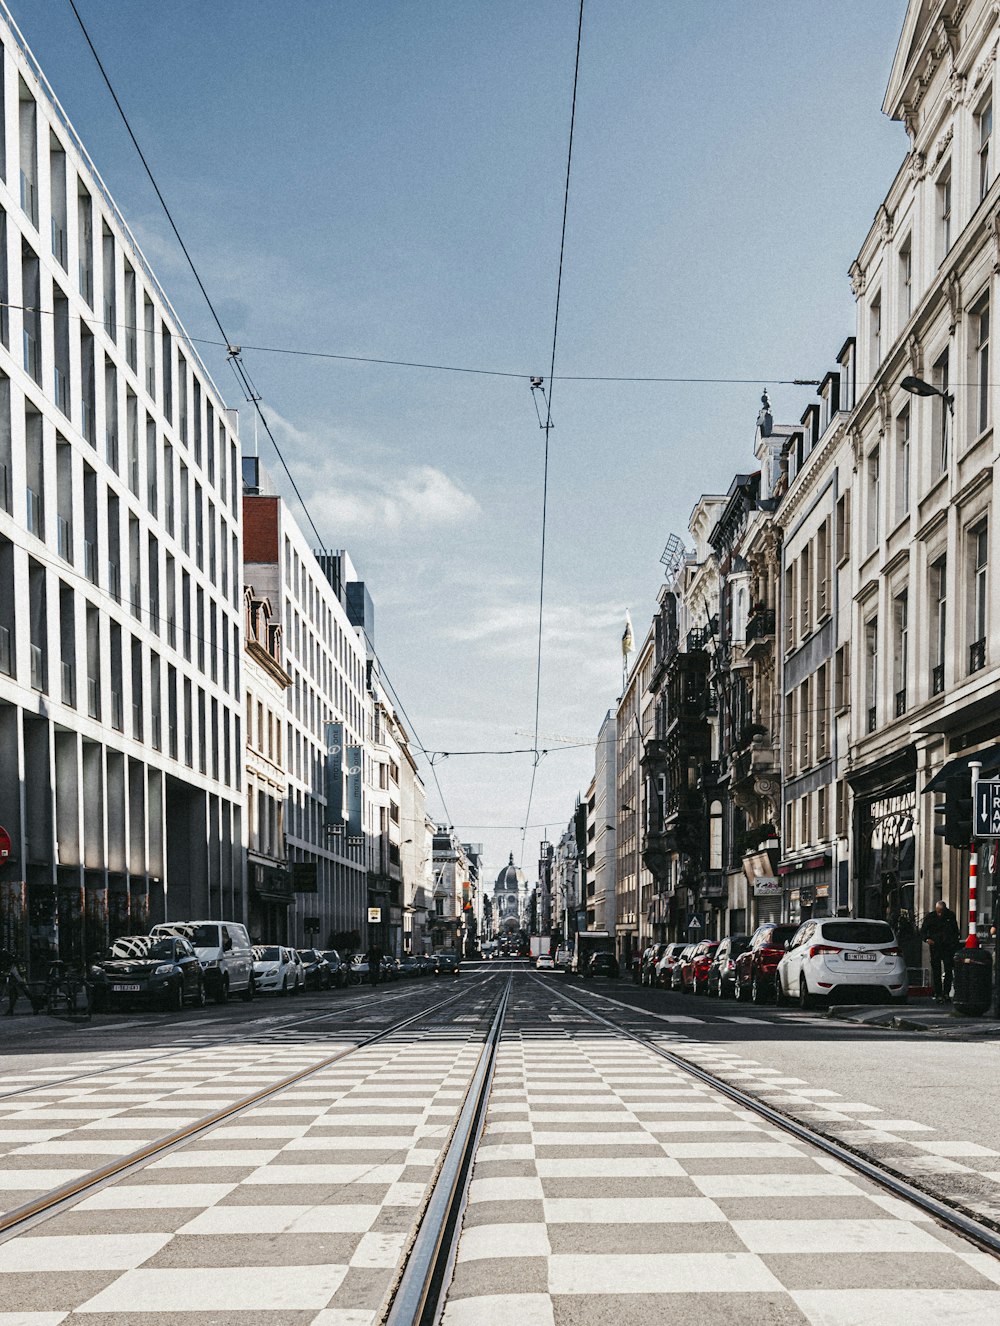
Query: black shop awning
x=989, y=758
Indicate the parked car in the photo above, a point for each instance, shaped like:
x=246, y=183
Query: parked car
x=756, y=965
x=427, y=964
x=389, y=968
x=155, y=969
x=276, y=969
x=722, y=972
x=447, y=964
x=650, y=957
x=316, y=969
x=412, y=966
x=825, y=958
x=681, y=968
x=545, y=962
x=601, y=964
x=701, y=960
x=338, y=967
x=358, y=968
x=564, y=957
x=665, y=966
x=225, y=954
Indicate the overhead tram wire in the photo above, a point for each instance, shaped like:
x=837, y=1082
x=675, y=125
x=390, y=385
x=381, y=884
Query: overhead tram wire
x=547, y=426
x=234, y=355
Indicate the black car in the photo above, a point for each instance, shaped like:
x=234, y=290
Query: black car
x=152, y=969
x=412, y=966
x=338, y=968
x=317, y=969
x=446, y=964
x=601, y=964
x=722, y=972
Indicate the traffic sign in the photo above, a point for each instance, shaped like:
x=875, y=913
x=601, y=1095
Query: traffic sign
x=694, y=923
x=374, y=915
x=986, y=811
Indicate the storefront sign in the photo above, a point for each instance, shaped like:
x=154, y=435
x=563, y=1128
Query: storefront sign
x=766, y=886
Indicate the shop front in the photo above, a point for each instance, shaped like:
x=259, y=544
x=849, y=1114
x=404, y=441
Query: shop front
x=271, y=894
x=807, y=888
x=764, y=885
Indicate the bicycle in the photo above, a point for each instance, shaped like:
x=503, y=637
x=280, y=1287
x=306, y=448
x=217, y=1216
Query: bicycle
x=64, y=987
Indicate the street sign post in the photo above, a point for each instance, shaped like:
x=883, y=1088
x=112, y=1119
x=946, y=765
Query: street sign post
x=986, y=808
x=374, y=915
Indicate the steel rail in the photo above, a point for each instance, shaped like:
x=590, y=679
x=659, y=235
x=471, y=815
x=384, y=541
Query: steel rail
x=48, y=1204
x=288, y=1024
x=420, y=1291
x=949, y=1215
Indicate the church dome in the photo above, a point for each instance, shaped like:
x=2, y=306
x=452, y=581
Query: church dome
x=507, y=881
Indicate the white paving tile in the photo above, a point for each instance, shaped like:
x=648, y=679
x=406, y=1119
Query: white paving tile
x=505, y=1190
x=660, y=1273
x=133, y=1197
x=233, y=1289
x=770, y=1236
x=914, y=1307
x=501, y=1241
x=94, y=1252
x=630, y=1210
x=775, y=1185
x=499, y=1310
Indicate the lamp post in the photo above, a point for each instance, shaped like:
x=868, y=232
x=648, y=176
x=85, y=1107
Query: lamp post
x=918, y=387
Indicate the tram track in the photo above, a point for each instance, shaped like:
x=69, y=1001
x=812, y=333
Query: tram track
x=33, y=1212
x=985, y=1234
x=242, y=1030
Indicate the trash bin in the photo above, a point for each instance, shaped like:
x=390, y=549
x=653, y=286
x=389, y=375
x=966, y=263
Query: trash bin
x=973, y=991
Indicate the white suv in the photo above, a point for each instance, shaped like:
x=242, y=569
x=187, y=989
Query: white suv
x=828, y=957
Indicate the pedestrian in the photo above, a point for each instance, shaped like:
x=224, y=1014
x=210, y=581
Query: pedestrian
x=14, y=983
x=374, y=963
x=940, y=933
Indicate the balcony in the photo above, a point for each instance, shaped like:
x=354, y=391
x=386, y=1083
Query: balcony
x=937, y=679
x=977, y=655
x=901, y=703
x=760, y=628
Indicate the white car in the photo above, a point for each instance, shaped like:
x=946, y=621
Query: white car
x=277, y=970
x=545, y=962
x=841, y=957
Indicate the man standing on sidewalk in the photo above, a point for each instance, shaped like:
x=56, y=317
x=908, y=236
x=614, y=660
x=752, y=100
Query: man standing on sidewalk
x=940, y=933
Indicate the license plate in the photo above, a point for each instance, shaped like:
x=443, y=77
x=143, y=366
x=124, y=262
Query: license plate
x=126, y=989
x=861, y=957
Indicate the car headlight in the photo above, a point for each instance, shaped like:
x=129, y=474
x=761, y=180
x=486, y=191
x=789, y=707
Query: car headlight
x=209, y=962
x=164, y=969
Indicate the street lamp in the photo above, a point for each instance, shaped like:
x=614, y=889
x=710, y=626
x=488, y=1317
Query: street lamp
x=918, y=387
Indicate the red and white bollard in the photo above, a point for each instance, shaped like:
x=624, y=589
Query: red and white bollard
x=973, y=939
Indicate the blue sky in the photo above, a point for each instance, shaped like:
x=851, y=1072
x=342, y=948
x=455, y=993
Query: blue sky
x=385, y=179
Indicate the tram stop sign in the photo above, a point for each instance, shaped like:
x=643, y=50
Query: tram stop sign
x=986, y=809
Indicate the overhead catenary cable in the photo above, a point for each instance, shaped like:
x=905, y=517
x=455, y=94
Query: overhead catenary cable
x=548, y=419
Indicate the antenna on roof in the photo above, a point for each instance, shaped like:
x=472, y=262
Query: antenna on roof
x=672, y=554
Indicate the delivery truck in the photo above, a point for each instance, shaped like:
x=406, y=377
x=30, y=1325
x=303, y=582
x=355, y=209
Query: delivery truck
x=589, y=942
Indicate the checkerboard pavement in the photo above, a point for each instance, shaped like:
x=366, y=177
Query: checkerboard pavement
x=298, y=1211
x=611, y=1187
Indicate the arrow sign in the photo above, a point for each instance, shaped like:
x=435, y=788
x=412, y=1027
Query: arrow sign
x=986, y=809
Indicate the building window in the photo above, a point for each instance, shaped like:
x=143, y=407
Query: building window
x=85, y=243
x=843, y=527
x=875, y=331
x=906, y=280
x=978, y=565
x=942, y=416
x=57, y=199
x=984, y=125
x=715, y=836
x=902, y=464
x=805, y=591
x=823, y=571
x=31, y=313
x=842, y=678
x=28, y=136
x=821, y=701
x=981, y=365
x=944, y=213
x=939, y=622
x=874, y=497
x=871, y=673
x=900, y=650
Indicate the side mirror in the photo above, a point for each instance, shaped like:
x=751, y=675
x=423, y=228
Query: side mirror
x=788, y=945
x=227, y=944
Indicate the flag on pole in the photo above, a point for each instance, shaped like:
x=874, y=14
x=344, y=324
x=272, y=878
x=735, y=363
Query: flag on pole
x=627, y=640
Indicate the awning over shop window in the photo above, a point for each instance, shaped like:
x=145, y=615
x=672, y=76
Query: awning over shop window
x=989, y=758
x=820, y=862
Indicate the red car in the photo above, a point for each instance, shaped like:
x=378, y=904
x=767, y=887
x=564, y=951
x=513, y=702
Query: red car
x=755, y=966
x=701, y=960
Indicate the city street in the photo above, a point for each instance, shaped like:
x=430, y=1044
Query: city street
x=603, y=1170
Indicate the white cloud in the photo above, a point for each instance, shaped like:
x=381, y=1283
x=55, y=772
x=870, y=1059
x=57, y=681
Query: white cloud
x=379, y=498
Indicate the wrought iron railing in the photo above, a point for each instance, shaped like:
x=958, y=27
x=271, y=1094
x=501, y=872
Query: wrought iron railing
x=977, y=655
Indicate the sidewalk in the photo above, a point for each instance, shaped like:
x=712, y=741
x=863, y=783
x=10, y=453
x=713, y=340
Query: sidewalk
x=917, y=1015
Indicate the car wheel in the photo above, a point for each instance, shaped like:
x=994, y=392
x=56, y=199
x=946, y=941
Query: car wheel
x=780, y=998
x=222, y=994
x=806, y=1000
x=250, y=991
x=756, y=991
x=173, y=1000
x=199, y=998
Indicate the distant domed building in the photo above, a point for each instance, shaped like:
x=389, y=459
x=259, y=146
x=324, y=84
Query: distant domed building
x=507, y=896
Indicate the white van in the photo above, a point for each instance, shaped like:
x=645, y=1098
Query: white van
x=225, y=954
